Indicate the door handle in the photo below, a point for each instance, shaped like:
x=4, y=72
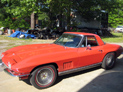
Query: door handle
x=100, y=51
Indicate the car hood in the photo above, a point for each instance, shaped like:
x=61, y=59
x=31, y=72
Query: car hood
x=26, y=51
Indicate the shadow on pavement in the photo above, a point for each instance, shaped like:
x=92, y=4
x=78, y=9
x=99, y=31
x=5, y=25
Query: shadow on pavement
x=108, y=81
x=0, y=60
x=60, y=78
x=27, y=81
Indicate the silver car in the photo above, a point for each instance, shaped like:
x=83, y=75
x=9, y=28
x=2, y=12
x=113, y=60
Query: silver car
x=119, y=29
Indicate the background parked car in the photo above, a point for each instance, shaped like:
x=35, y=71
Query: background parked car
x=119, y=29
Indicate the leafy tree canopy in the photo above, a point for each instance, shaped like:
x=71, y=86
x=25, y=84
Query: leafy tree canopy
x=15, y=13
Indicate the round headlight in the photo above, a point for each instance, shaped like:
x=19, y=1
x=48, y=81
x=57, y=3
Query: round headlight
x=9, y=65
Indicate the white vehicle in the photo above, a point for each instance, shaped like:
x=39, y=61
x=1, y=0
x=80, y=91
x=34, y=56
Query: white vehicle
x=119, y=29
x=1, y=28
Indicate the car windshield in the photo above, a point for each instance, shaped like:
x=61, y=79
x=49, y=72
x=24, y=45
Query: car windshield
x=69, y=40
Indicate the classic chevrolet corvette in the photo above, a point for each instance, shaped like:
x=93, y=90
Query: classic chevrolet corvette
x=72, y=52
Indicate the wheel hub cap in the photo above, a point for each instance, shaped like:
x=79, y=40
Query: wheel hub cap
x=44, y=76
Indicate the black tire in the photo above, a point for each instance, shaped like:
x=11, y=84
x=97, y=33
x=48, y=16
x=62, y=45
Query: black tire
x=35, y=32
x=109, y=61
x=40, y=35
x=43, y=77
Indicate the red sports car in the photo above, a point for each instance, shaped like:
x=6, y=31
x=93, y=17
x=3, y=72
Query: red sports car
x=72, y=52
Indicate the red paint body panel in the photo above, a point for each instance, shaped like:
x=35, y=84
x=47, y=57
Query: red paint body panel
x=23, y=59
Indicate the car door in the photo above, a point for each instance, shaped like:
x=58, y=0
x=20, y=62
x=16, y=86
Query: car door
x=89, y=52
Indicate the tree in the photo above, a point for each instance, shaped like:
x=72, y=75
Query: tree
x=16, y=12
x=13, y=13
x=116, y=15
x=89, y=9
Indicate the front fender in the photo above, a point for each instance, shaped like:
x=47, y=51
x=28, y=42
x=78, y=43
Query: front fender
x=28, y=64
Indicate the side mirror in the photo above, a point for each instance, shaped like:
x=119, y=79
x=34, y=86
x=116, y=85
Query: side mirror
x=88, y=47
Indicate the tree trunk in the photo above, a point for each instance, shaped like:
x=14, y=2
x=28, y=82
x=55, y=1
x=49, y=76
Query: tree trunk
x=32, y=21
x=36, y=19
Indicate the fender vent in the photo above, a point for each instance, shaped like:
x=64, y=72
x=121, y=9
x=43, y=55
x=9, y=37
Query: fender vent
x=67, y=65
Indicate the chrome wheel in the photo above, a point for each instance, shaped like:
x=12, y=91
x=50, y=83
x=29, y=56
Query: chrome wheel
x=44, y=76
x=109, y=61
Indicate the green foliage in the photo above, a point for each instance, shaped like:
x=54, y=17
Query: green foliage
x=89, y=9
x=116, y=15
x=44, y=18
x=13, y=13
x=16, y=12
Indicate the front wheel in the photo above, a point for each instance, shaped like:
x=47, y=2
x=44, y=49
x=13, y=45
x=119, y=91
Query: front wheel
x=109, y=61
x=43, y=77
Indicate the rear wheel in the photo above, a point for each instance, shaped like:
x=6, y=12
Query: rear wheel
x=43, y=77
x=109, y=61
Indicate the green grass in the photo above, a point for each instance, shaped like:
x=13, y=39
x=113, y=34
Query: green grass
x=9, y=42
x=13, y=42
x=4, y=37
x=116, y=38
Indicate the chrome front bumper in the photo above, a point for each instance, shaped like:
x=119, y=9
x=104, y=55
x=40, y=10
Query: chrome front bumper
x=4, y=68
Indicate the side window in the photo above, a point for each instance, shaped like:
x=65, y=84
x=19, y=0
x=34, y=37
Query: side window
x=89, y=40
